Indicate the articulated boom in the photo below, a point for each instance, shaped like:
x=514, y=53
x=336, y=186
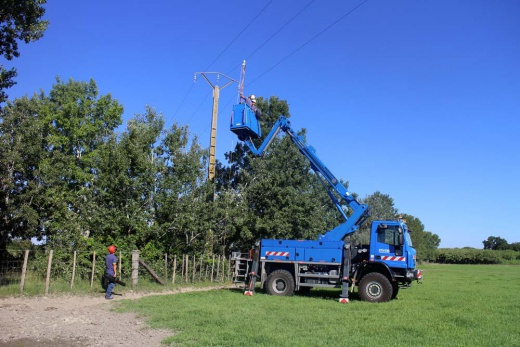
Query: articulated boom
x=285, y=266
x=360, y=211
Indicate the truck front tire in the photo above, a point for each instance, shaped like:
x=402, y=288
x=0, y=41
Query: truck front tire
x=281, y=283
x=375, y=287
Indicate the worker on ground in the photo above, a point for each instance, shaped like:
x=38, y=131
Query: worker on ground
x=110, y=272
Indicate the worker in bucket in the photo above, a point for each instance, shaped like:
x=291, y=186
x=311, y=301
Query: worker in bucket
x=251, y=102
x=110, y=272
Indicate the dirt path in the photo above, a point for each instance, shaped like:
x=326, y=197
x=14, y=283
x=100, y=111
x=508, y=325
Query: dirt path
x=75, y=321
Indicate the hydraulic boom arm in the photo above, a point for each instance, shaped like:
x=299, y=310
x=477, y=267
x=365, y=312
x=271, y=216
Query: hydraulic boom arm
x=360, y=211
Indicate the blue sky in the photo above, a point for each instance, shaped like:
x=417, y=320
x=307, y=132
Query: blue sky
x=416, y=99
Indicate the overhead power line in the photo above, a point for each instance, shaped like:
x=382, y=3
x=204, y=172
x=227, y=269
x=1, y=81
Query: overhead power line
x=240, y=33
x=309, y=40
x=275, y=33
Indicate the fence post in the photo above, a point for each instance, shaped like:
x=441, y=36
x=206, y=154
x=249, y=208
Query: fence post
x=165, y=267
x=120, y=266
x=93, y=269
x=135, y=267
x=73, y=270
x=174, y=268
x=182, y=268
x=212, y=267
x=24, y=270
x=228, y=277
x=48, y=278
x=218, y=270
x=222, y=277
x=187, y=267
x=194, y=268
x=200, y=267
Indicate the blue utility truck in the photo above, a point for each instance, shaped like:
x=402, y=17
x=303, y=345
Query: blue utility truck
x=285, y=266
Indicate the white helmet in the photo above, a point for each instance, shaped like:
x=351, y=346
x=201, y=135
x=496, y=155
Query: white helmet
x=252, y=97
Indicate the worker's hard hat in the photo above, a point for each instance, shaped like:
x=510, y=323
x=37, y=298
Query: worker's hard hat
x=252, y=97
x=112, y=249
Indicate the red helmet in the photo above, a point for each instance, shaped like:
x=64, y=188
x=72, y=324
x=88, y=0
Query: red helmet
x=112, y=249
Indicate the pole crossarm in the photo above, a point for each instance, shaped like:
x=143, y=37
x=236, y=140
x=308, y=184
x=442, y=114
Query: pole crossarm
x=213, y=135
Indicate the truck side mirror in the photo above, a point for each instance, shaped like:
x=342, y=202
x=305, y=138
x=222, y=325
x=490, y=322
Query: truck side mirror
x=401, y=239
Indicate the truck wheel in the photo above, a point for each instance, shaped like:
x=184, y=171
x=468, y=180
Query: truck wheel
x=280, y=282
x=375, y=287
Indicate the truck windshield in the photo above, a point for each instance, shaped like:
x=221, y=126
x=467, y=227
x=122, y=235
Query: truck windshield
x=408, y=239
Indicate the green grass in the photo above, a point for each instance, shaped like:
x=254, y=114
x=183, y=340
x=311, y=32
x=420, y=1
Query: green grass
x=458, y=305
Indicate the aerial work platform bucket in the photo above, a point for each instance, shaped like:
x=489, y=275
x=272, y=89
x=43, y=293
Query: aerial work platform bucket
x=244, y=122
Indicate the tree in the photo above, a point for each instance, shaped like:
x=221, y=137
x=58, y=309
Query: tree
x=20, y=20
x=21, y=152
x=495, y=243
x=76, y=124
x=183, y=208
x=125, y=183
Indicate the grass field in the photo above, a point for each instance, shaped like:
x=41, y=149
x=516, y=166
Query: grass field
x=458, y=305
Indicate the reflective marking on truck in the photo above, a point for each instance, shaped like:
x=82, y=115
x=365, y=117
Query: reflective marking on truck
x=277, y=254
x=387, y=257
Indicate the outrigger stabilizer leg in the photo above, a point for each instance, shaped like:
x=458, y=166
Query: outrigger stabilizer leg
x=251, y=278
x=343, y=299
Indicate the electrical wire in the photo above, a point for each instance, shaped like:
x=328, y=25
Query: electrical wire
x=309, y=40
x=240, y=33
x=274, y=34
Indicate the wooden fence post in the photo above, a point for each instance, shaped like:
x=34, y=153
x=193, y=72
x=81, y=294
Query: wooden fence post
x=174, y=268
x=135, y=267
x=24, y=270
x=182, y=268
x=73, y=270
x=223, y=268
x=187, y=267
x=93, y=269
x=212, y=267
x=218, y=270
x=165, y=267
x=194, y=269
x=228, y=277
x=48, y=278
x=200, y=267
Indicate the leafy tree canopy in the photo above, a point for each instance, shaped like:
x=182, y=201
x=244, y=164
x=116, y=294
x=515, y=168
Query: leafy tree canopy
x=20, y=20
x=495, y=242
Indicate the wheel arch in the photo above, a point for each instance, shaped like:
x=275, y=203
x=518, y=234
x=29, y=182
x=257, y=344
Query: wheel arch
x=382, y=268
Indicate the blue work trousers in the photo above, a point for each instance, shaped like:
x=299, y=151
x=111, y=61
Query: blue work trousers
x=110, y=288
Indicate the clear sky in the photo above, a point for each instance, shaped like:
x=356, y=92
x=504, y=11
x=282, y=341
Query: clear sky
x=419, y=100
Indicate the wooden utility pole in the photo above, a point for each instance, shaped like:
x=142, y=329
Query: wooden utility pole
x=213, y=136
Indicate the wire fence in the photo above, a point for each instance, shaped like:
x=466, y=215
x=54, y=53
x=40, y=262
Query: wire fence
x=44, y=272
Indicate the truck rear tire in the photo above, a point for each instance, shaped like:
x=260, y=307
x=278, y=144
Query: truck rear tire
x=281, y=283
x=375, y=287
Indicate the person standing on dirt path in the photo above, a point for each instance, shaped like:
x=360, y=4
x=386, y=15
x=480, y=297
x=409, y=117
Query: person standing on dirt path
x=110, y=272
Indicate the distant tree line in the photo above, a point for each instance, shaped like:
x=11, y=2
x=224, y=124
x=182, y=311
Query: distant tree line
x=498, y=243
